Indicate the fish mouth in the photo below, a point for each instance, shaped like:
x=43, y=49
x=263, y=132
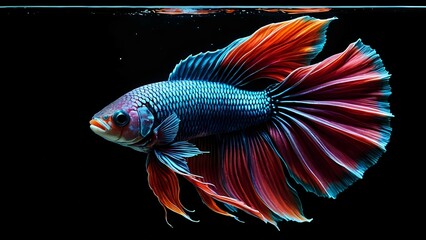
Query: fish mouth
x=98, y=125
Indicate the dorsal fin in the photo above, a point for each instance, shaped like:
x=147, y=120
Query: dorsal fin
x=272, y=52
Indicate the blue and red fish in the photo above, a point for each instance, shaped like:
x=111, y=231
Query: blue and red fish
x=242, y=143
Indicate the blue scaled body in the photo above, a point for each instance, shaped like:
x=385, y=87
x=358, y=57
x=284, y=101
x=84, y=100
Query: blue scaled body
x=204, y=108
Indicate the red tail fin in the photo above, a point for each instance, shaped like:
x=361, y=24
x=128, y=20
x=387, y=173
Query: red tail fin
x=332, y=119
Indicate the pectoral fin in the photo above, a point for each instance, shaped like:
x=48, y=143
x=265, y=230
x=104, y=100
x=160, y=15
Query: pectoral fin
x=167, y=130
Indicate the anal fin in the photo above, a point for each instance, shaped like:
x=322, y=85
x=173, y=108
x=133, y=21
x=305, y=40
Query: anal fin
x=243, y=166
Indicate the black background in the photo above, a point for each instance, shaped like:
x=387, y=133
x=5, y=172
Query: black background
x=60, y=66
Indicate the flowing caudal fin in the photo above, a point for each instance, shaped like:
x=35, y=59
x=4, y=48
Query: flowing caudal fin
x=271, y=52
x=332, y=119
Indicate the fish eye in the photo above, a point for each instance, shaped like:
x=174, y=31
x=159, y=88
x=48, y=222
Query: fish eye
x=121, y=118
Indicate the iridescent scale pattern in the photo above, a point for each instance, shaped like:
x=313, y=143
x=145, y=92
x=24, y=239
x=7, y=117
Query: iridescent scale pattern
x=204, y=108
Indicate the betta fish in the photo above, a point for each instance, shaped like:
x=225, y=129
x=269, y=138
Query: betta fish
x=248, y=123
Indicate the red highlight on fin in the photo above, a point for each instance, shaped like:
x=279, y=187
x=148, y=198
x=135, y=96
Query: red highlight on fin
x=277, y=49
x=212, y=184
x=250, y=174
x=333, y=119
x=165, y=185
x=270, y=181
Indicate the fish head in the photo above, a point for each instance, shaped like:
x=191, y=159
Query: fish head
x=118, y=122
